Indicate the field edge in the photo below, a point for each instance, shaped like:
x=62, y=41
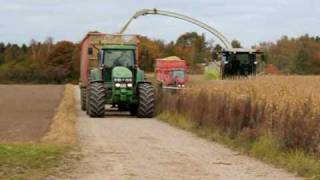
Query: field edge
x=63, y=128
x=52, y=155
x=265, y=148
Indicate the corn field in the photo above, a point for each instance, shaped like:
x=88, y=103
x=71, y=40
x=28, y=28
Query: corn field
x=287, y=107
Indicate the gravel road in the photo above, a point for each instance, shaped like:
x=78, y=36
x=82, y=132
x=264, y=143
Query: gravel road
x=122, y=147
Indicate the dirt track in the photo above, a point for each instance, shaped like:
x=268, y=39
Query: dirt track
x=26, y=111
x=121, y=147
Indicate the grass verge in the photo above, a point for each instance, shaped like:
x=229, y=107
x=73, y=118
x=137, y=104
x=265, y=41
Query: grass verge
x=29, y=161
x=265, y=148
x=37, y=161
x=62, y=130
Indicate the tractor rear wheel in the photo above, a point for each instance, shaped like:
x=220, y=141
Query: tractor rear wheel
x=96, y=100
x=83, y=93
x=146, y=100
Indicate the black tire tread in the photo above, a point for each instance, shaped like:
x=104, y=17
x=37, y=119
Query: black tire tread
x=97, y=100
x=83, y=92
x=146, y=101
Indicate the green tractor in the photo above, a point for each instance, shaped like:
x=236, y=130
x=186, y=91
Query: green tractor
x=111, y=76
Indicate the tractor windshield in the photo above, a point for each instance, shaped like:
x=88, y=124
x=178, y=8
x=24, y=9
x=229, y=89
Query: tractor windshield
x=242, y=58
x=239, y=64
x=178, y=74
x=114, y=58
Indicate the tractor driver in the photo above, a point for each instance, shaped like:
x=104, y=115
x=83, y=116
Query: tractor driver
x=123, y=60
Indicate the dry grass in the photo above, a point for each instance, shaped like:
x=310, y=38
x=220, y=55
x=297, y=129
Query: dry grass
x=63, y=130
x=284, y=108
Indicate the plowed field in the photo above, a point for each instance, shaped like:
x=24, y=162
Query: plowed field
x=26, y=111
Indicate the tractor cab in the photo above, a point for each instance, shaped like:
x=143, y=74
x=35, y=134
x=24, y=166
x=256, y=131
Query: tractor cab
x=116, y=56
x=171, y=72
x=178, y=77
x=239, y=62
x=117, y=64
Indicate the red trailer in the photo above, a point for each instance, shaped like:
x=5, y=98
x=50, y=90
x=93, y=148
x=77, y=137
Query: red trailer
x=88, y=58
x=171, y=72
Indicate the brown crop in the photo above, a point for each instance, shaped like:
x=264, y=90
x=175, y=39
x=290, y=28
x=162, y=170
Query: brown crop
x=288, y=107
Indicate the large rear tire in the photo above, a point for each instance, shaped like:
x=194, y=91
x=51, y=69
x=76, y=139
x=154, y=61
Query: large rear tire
x=96, y=100
x=83, y=93
x=146, y=101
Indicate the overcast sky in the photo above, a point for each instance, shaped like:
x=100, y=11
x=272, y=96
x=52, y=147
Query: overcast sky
x=250, y=21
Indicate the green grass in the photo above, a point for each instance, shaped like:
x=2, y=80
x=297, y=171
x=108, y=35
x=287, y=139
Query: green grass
x=265, y=148
x=29, y=161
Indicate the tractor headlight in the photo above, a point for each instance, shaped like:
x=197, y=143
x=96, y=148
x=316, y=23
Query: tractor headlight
x=226, y=62
x=117, y=79
x=128, y=80
x=118, y=85
x=129, y=85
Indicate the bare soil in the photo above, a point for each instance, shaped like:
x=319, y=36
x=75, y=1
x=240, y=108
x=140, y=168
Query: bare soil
x=26, y=111
x=122, y=147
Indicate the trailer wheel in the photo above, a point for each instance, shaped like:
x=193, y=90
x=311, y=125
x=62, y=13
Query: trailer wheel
x=96, y=100
x=83, y=93
x=146, y=100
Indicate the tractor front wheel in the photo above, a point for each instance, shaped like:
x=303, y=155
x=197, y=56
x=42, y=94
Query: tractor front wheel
x=96, y=100
x=146, y=101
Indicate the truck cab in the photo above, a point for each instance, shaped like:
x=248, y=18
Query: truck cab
x=171, y=72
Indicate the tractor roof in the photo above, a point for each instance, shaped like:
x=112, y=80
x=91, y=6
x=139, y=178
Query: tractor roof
x=118, y=46
x=240, y=50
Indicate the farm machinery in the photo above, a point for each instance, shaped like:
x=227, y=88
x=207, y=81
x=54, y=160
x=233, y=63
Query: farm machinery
x=171, y=72
x=234, y=61
x=238, y=62
x=110, y=75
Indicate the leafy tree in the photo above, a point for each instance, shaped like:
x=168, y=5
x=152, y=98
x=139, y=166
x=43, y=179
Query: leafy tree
x=215, y=51
x=295, y=55
x=60, y=60
x=194, y=46
x=236, y=44
x=149, y=50
x=169, y=49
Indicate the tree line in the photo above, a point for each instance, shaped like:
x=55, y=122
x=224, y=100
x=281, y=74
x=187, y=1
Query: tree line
x=39, y=62
x=50, y=62
x=299, y=55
